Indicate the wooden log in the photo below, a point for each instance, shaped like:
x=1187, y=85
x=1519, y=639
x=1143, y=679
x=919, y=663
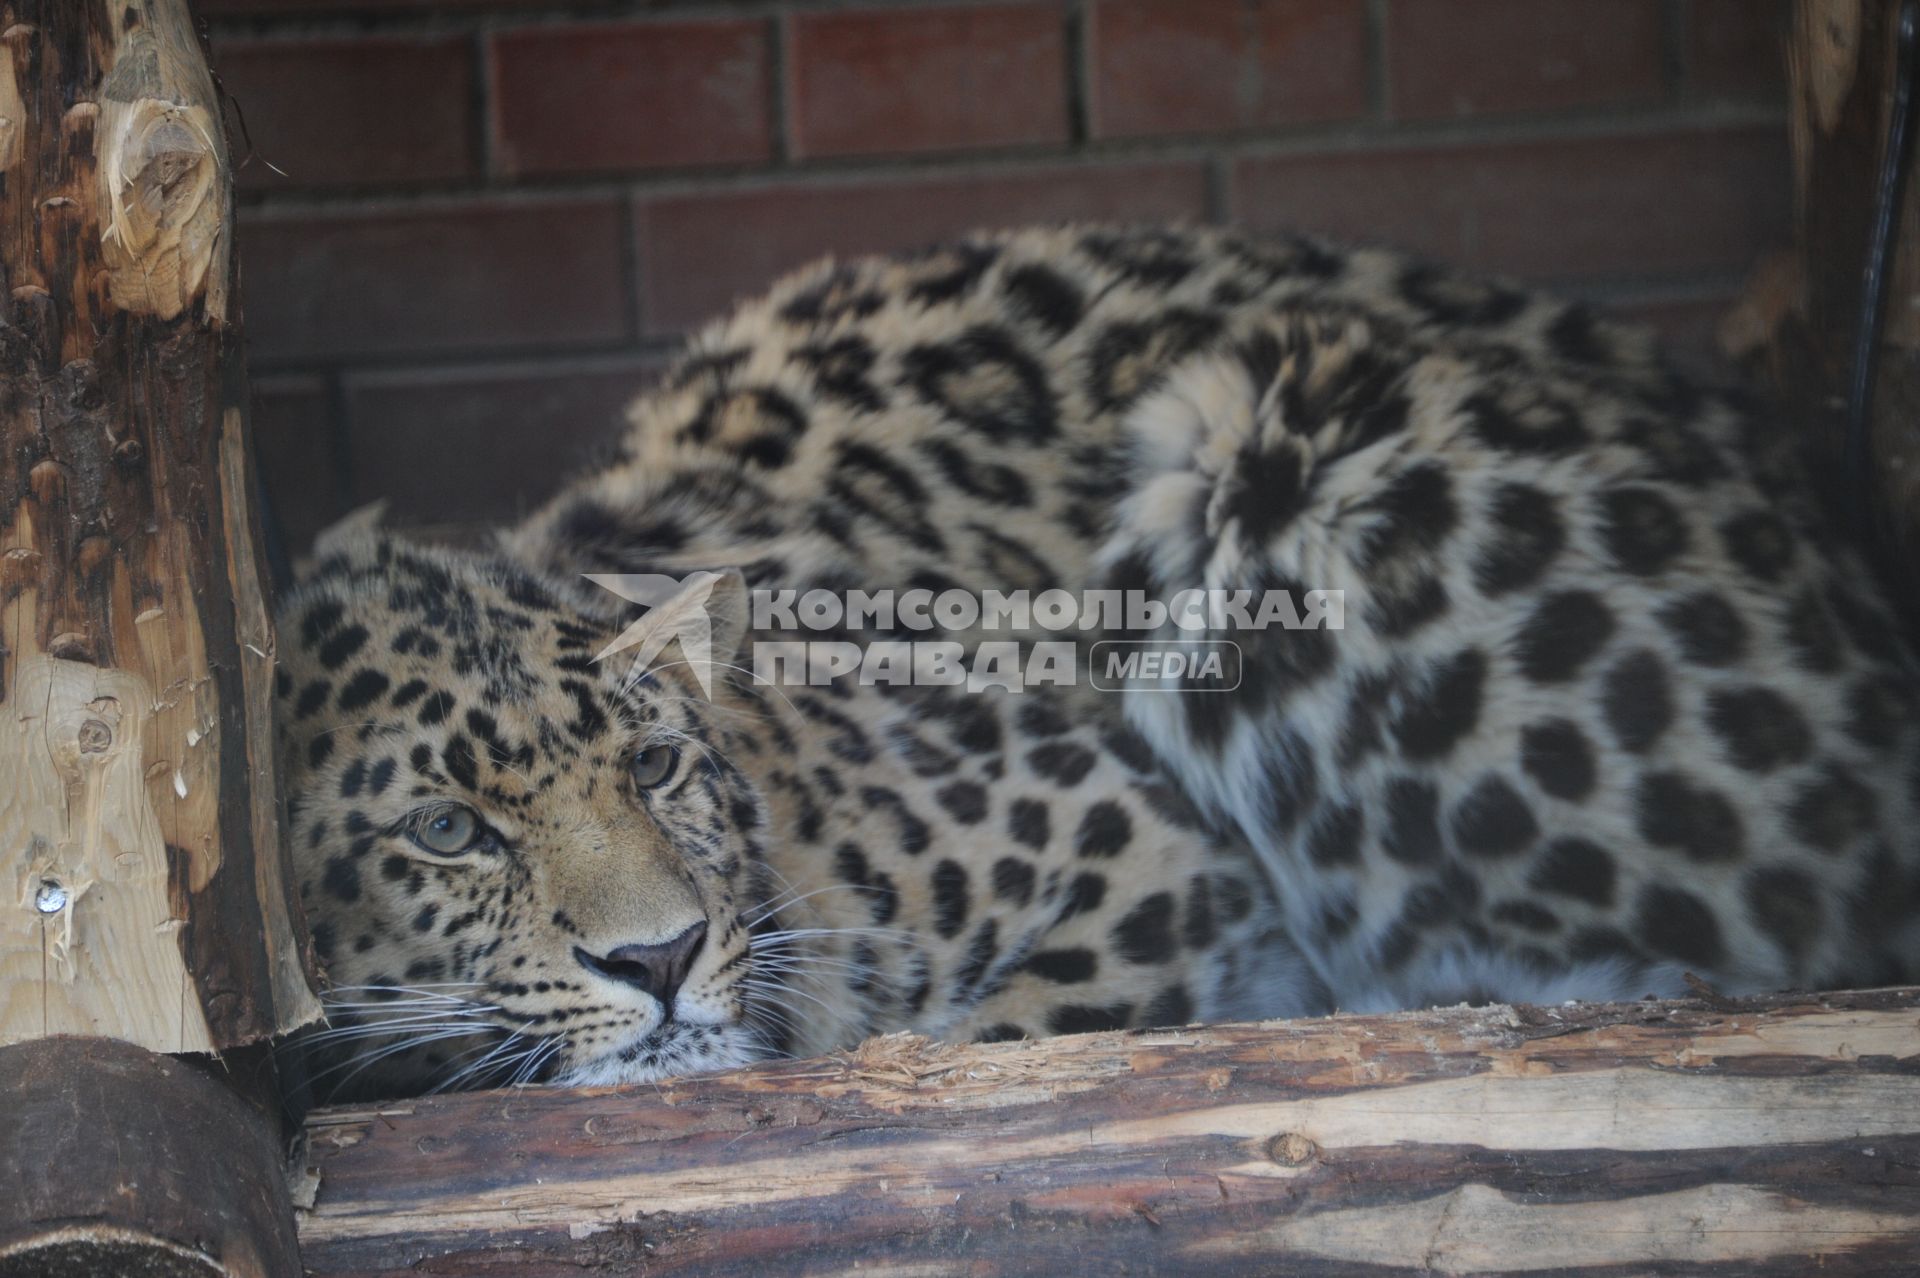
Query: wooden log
x=143, y=890
x=117, y=1161
x=1768, y=1137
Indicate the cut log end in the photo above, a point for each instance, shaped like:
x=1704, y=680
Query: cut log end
x=118, y=1161
x=88, y=1252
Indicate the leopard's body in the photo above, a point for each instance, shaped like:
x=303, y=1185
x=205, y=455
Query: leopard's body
x=859, y=862
x=1609, y=703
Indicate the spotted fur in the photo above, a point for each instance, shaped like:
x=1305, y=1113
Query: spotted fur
x=848, y=863
x=1610, y=703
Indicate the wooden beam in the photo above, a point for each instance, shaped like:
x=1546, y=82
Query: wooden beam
x=118, y=1161
x=143, y=891
x=1768, y=1137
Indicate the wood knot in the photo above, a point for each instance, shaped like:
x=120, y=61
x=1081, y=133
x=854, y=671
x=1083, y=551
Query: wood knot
x=1291, y=1149
x=19, y=566
x=162, y=234
x=93, y=553
x=71, y=647
x=166, y=172
x=94, y=736
x=48, y=480
x=128, y=454
x=82, y=380
x=175, y=159
x=18, y=32
x=80, y=115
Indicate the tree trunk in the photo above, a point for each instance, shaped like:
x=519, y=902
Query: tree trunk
x=143, y=892
x=1771, y=1137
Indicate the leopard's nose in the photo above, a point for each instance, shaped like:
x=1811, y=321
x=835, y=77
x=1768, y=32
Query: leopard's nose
x=660, y=969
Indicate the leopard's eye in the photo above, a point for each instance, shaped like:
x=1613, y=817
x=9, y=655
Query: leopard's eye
x=449, y=831
x=652, y=766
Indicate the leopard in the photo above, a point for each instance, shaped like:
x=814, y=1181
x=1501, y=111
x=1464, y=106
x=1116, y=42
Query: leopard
x=1613, y=705
x=522, y=863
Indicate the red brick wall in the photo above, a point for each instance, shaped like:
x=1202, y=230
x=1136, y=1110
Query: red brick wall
x=473, y=227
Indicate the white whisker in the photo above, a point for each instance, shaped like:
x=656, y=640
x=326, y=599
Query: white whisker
x=362, y=1063
x=771, y=987
x=786, y=934
x=766, y=910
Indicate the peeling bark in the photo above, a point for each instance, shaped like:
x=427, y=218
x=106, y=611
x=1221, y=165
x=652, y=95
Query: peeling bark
x=1774, y=1136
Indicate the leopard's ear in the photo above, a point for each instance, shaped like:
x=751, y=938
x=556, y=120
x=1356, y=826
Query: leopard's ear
x=727, y=607
x=357, y=531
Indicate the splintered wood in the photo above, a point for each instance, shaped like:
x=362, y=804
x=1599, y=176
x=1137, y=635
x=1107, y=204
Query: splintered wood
x=1777, y=1136
x=141, y=886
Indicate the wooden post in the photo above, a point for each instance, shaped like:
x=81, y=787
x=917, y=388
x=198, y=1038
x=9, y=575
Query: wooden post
x=1775, y=1136
x=143, y=892
x=1841, y=60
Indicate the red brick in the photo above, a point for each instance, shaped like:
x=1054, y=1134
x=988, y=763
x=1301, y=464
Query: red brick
x=582, y=98
x=929, y=79
x=700, y=252
x=1568, y=208
x=351, y=112
x=464, y=445
x=293, y=448
x=433, y=277
x=1194, y=66
x=1737, y=48
x=1482, y=57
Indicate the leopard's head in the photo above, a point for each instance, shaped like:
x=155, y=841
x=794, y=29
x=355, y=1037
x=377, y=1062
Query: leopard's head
x=519, y=862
